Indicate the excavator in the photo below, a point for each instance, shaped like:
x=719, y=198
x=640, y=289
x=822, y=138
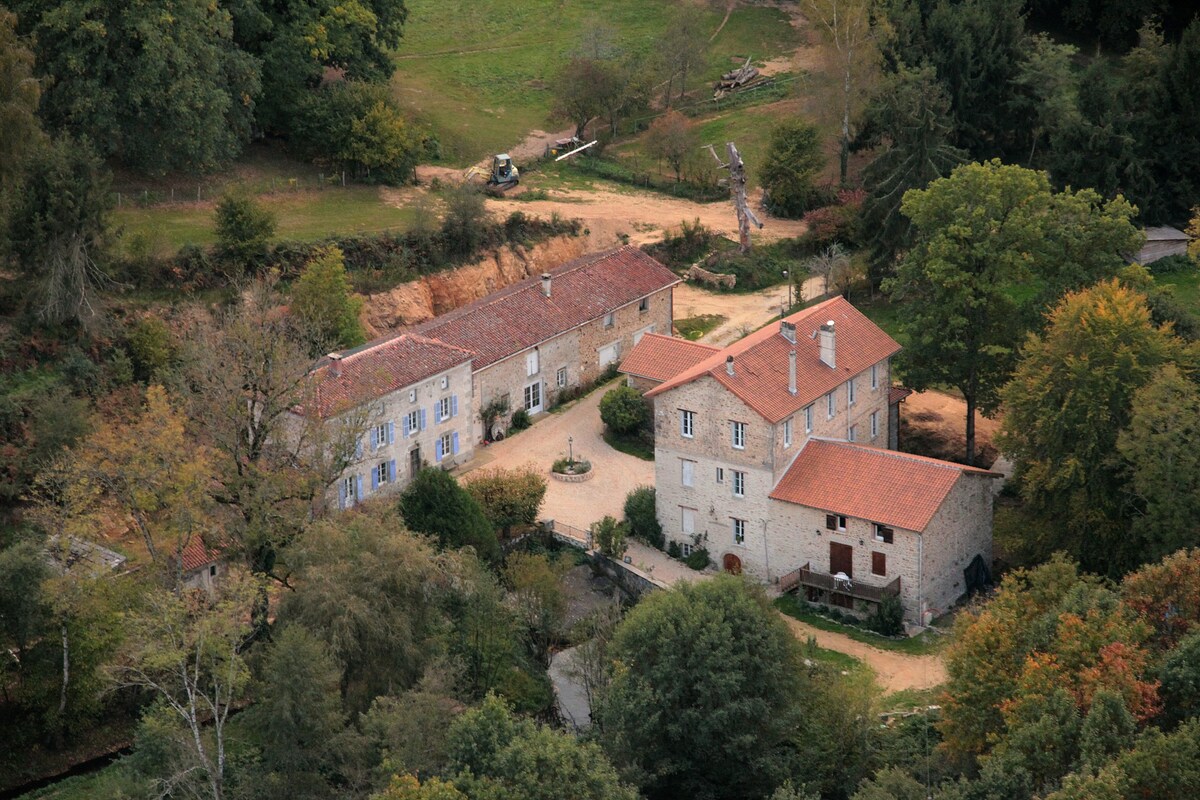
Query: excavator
x=503, y=177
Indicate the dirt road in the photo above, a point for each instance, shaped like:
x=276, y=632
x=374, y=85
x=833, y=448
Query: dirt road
x=894, y=671
x=743, y=312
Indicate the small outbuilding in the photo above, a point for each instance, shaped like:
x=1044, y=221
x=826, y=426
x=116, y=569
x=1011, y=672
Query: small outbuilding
x=1161, y=242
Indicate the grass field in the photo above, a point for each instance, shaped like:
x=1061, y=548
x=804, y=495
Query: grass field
x=301, y=215
x=477, y=71
x=1185, y=286
x=922, y=644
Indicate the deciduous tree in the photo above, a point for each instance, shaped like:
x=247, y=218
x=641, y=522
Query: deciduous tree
x=434, y=503
x=244, y=229
x=323, y=304
x=624, y=410
x=790, y=168
x=538, y=598
x=672, y=138
x=508, y=496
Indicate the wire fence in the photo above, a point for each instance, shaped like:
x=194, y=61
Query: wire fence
x=201, y=192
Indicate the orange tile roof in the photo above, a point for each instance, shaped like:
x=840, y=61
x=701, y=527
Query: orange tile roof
x=760, y=376
x=885, y=486
x=197, y=554
x=898, y=394
x=380, y=367
x=660, y=357
x=520, y=316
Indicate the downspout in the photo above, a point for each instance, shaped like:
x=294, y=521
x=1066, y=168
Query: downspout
x=921, y=580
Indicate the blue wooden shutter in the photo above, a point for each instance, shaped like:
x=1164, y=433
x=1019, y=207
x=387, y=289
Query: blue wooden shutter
x=374, y=479
x=358, y=449
x=358, y=487
x=422, y=419
x=391, y=432
x=374, y=438
x=405, y=430
x=454, y=442
x=437, y=449
x=341, y=494
x=392, y=471
x=454, y=405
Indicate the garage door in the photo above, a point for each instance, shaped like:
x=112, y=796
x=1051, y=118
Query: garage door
x=608, y=354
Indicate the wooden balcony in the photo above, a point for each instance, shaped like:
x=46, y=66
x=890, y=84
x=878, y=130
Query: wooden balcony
x=824, y=582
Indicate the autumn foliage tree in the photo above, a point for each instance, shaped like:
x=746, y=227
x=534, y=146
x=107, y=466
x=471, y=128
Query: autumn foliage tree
x=672, y=138
x=508, y=496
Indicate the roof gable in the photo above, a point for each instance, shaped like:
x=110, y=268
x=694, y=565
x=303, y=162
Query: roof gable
x=760, y=360
x=885, y=486
x=521, y=316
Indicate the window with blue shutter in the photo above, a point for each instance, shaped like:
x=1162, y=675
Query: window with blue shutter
x=358, y=493
x=454, y=407
x=391, y=432
x=454, y=445
x=405, y=428
x=342, y=495
x=374, y=481
x=374, y=439
x=437, y=450
x=358, y=449
x=422, y=419
x=392, y=471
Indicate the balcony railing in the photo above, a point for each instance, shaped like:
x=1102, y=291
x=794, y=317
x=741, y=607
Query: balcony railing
x=807, y=576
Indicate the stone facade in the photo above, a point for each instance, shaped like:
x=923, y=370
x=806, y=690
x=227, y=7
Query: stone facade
x=393, y=449
x=579, y=352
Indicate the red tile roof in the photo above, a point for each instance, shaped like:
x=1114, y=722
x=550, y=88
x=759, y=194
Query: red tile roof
x=898, y=394
x=760, y=376
x=660, y=357
x=380, y=367
x=197, y=554
x=520, y=316
x=885, y=486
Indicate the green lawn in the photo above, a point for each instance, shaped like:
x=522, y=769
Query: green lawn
x=301, y=215
x=477, y=71
x=694, y=328
x=1185, y=286
x=922, y=644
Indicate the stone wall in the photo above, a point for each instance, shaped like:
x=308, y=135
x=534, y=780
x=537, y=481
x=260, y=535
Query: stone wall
x=698, y=273
x=510, y=375
x=960, y=530
x=629, y=322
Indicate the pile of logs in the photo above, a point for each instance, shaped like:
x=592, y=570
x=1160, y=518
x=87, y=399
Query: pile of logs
x=736, y=80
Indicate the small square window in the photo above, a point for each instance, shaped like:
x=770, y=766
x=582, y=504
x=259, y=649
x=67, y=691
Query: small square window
x=212, y=571
x=644, y=304
x=445, y=381
x=883, y=534
x=412, y=395
x=835, y=522
x=686, y=549
x=720, y=474
x=608, y=320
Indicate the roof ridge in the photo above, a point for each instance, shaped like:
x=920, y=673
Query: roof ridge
x=901, y=455
x=682, y=340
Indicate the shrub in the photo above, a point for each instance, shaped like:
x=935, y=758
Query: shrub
x=152, y=347
x=565, y=466
x=681, y=250
x=641, y=517
x=888, y=617
x=699, y=559
x=837, y=223
x=464, y=228
x=1171, y=265
x=243, y=230
x=673, y=550
x=508, y=496
x=624, y=410
x=611, y=537
x=322, y=303
x=520, y=420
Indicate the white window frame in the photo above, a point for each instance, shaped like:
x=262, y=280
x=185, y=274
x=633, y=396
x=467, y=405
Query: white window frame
x=685, y=548
x=447, y=445
x=808, y=418
x=850, y=393
x=412, y=395
x=443, y=409
x=560, y=377
x=830, y=406
x=687, y=472
x=739, y=530
x=874, y=377
x=787, y=432
x=445, y=381
x=841, y=523
x=720, y=474
x=414, y=423
x=874, y=424
x=737, y=434
x=687, y=424
x=350, y=489
x=528, y=395
x=739, y=483
x=381, y=473
x=381, y=435
x=532, y=365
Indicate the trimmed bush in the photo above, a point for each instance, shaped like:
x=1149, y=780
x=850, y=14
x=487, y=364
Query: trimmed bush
x=698, y=560
x=641, y=517
x=624, y=410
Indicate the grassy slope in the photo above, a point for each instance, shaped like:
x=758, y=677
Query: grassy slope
x=476, y=71
x=302, y=215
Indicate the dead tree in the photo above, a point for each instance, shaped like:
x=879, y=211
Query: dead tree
x=737, y=190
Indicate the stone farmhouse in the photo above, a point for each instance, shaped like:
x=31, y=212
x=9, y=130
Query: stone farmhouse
x=772, y=453
x=422, y=390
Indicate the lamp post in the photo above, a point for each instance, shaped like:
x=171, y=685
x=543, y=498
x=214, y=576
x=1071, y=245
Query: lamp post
x=571, y=450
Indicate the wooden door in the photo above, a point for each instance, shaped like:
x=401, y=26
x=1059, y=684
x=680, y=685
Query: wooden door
x=414, y=462
x=841, y=559
x=732, y=564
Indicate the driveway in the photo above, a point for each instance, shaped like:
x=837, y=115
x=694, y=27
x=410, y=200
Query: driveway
x=578, y=504
x=743, y=312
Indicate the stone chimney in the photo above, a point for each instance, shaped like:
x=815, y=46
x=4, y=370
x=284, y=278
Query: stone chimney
x=546, y=283
x=729, y=364
x=335, y=364
x=788, y=330
x=828, y=341
x=792, y=371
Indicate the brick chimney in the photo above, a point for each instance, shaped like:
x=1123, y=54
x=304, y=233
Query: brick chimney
x=729, y=364
x=335, y=364
x=546, y=283
x=828, y=341
x=788, y=330
x=792, y=371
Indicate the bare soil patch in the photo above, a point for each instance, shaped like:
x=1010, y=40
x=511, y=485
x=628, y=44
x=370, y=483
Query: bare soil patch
x=894, y=671
x=934, y=424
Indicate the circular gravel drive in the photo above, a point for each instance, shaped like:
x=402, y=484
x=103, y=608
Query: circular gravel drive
x=578, y=504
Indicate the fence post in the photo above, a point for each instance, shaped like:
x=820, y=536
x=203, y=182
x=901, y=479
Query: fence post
x=118, y=199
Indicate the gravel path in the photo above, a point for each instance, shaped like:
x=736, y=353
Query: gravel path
x=894, y=671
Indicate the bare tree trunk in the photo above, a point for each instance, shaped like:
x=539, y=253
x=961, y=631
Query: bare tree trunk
x=844, y=155
x=971, y=429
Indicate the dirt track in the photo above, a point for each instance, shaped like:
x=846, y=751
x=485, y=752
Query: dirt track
x=894, y=671
x=743, y=312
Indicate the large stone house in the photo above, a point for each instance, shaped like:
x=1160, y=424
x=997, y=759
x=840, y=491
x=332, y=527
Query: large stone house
x=772, y=454
x=415, y=398
x=537, y=337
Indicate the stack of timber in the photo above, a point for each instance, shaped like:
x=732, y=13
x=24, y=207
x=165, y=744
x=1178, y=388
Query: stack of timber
x=735, y=81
